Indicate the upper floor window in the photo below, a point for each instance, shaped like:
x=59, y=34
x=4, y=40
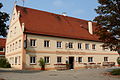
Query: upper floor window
x=59, y=44
x=86, y=46
x=105, y=58
x=1, y=49
x=46, y=43
x=32, y=42
x=93, y=46
x=16, y=45
x=47, y=59
x=79, y=45
x=90, y=59
x=70, y=45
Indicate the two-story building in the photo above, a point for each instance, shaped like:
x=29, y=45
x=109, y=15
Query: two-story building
x=58, y=39
x=2, y=48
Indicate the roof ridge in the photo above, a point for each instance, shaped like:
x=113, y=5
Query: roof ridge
x=54, y=13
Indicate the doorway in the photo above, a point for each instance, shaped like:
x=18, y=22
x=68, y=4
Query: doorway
x=71, y=62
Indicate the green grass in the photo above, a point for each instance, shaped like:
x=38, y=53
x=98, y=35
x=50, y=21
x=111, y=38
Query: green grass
x=115, y=72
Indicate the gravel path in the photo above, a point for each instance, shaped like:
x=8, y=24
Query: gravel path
x=82, y=74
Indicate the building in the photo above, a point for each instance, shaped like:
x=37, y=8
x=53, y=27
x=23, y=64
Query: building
x=2, y=48
x=56, y=38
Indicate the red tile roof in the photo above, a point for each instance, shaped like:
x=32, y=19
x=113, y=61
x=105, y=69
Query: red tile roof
x=2, y=42
x=46, y=23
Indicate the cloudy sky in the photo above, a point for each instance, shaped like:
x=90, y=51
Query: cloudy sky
x=83, y=9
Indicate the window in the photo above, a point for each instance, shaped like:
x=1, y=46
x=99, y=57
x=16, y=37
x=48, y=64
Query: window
x=79, y=59
x=15, y=60
x=86, y=46
x=59, y=44
x=46, y=43
x=47, y=59
x=105, y=58
x=93, y=46
x=90, y=59
x=59, y=59
x=70, y=45
x=79, y=45
x=1, y=49
x=19, y=43
x=16, y=45
x=10, y=48
x=32, y=42
x=13, y=46
x=7, y=49
x=32, y=59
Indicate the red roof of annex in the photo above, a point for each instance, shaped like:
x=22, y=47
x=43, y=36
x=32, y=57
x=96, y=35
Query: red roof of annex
x=46, y=23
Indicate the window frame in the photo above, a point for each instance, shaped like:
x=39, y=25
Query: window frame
x=79, y=45
x=46, y=43
x=90, y=59
x=80, y=59
x=93, y=46
x=47, y=59
x=105, y=59
x=33, y=42
x=87, y=46
x=59, y=44
x=59, y=59
x=32, y=59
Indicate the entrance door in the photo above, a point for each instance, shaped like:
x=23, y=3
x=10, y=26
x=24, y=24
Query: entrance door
x=71, y=62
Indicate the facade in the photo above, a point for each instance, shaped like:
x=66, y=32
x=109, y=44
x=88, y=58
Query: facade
x=58, y=39
x=2, y=48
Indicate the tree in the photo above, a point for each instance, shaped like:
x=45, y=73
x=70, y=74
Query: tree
x=109, y=18
x=4, y=17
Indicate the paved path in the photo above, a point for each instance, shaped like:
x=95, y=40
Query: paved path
x=82, y=74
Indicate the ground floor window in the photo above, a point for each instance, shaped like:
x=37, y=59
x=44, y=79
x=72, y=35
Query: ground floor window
x=90, y=59
x=32, y=59
x=15, y=60
x=47, y=59
x=59, y=59
x=105, y=58
x=79, y=59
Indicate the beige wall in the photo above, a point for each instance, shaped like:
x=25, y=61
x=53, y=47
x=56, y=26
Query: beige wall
x=39, y=51
x=14, y=42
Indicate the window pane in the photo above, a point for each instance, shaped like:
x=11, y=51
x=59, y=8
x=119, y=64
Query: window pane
x=59, y=59
x=79, y=59
x=93, y=46
x=59, y=44
x=86, y=46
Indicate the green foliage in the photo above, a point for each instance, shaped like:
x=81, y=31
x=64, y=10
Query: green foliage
x=4, y=63
x=118, y=60
x=115, y=72
x=4, y=17
x=42, y=63
x=109, y=18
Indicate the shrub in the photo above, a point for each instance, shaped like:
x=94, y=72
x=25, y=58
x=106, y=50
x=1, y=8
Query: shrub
x=42, y=63
x=4, y=63
x=115, y=72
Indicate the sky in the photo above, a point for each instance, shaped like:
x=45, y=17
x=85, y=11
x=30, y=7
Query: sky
x=83, y=9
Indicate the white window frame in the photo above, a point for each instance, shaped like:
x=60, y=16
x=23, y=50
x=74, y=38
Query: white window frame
x=59, y=44
x=47, y=59
x=46, y=43
x=90, y=59
x=32, y=42
x=32, y=59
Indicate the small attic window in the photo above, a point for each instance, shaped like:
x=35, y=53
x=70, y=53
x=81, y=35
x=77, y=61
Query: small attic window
x=13, y=16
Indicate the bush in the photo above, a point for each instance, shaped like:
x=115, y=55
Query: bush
x=42, y=63
x=4, y=63
x=115, y=72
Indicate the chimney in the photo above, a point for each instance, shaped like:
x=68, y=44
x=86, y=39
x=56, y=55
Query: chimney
x=90, y=27
x=64, y=14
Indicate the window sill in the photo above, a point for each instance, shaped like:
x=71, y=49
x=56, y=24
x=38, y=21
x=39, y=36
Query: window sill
x=32, y=63
x=33, y=46
x=47, y=63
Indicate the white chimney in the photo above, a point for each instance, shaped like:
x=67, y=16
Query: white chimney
x=90, y=27
x=64, y=14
